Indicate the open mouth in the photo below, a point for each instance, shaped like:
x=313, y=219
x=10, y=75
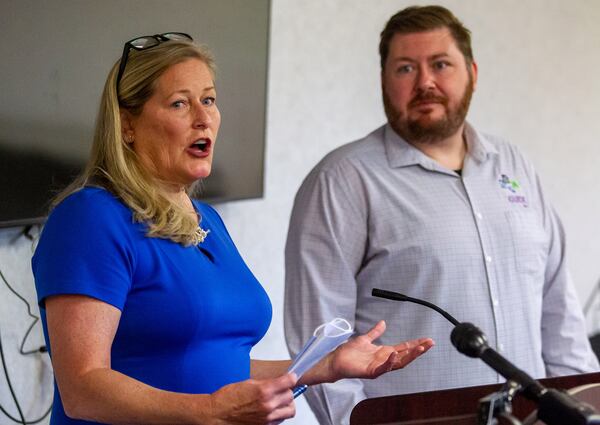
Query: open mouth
x=201, y=145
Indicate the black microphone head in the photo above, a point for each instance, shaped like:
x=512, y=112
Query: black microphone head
x=469, y=339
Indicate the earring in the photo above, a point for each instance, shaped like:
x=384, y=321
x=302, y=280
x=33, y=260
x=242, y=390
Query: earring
x=129, y=139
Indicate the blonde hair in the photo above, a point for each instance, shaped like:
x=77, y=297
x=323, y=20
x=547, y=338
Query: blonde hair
x=114, y=165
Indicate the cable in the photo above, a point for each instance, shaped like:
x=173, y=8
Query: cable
x=41, y=349
x=14, y=396
x=12, y=392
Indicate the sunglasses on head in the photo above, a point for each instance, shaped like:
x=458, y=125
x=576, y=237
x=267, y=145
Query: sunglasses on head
x=147, y=42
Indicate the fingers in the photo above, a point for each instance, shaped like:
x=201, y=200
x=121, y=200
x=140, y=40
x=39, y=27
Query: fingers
x=426, y=343
x=263, y=401
x=277, y=392
x=286, y=381
x=404, y=358
x=376, y=331
x=282, y=399
x=285, y=412
x=399, y=359
x=389, y=364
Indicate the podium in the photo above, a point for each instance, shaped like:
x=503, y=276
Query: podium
x=459, y=406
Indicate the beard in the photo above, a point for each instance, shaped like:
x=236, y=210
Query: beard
x=426, y=131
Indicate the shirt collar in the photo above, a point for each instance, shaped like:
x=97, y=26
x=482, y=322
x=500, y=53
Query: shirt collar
x=400, y=153
x=479, y=148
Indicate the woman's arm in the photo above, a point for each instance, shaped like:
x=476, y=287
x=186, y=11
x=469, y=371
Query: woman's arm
x=81, y=332
x=357, y=358
x=265, y=369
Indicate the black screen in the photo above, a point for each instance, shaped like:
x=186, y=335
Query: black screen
x=55, y=59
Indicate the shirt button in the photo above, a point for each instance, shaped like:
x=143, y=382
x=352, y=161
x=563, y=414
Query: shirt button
x=488, y=258
x=495, y=302
x=478, y=215
x=500, y=347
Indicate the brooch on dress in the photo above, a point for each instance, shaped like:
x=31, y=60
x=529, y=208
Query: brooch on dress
x=199, y=235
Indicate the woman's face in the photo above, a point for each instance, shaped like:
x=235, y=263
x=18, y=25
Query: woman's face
x=175, y=134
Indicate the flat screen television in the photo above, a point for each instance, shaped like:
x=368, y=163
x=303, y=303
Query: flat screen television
x=55, y=57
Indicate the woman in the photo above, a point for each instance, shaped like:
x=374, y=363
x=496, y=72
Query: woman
x=148, y=309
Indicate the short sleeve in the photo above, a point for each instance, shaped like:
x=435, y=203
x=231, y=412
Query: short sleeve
x=86, y=248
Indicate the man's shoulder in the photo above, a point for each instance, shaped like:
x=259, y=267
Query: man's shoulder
x=367, y=149
x=500, y=145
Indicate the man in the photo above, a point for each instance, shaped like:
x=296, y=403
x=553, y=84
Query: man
x=430, y=207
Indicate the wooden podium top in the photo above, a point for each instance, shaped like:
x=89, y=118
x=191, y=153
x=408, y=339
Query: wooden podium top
x=455, y=406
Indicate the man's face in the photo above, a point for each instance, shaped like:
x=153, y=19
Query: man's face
x=427, y=86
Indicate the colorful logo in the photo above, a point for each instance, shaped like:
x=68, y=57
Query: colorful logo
x=507, y=183
x=513, y=187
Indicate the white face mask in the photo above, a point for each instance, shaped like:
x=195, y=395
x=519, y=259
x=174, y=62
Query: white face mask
x=326, y=338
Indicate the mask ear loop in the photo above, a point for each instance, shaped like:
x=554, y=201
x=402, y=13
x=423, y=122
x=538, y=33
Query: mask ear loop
x=342, y=325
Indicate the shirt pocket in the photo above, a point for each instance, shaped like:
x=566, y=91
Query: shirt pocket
x=529, y=240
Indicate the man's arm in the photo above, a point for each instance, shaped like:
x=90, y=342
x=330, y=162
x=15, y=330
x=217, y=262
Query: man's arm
x=565, y=346
x=325, y=246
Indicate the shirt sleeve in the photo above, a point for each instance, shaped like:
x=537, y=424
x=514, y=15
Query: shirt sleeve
x=324, y=250
x=566, y=349
x=85, y=249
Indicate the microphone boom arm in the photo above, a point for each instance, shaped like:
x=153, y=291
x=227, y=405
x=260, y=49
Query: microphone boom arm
x=554, y=407
x=382, y=293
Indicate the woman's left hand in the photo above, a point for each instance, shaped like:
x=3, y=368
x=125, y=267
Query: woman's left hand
x=360, y=358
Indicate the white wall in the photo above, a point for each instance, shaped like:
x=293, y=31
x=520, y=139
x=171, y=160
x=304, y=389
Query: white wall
x=538, y=86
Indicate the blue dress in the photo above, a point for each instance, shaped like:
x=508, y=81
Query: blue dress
x=189, y=315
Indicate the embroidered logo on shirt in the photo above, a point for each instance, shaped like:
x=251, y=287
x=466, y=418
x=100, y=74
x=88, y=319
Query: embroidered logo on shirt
x=513, y=187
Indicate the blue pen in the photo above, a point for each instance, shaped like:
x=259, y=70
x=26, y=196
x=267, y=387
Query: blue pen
x=299, y=390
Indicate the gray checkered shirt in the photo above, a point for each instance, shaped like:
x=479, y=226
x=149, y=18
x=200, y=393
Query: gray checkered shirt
x=486, y=246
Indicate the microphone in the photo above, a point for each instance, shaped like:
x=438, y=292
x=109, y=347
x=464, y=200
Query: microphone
x=554, y=407
x=469, y=340
x=472, y=342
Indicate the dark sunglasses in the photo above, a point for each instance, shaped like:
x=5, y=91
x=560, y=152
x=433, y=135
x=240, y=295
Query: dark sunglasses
x=147, y=42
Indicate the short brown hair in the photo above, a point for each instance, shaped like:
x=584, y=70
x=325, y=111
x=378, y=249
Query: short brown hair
x=425, y=18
